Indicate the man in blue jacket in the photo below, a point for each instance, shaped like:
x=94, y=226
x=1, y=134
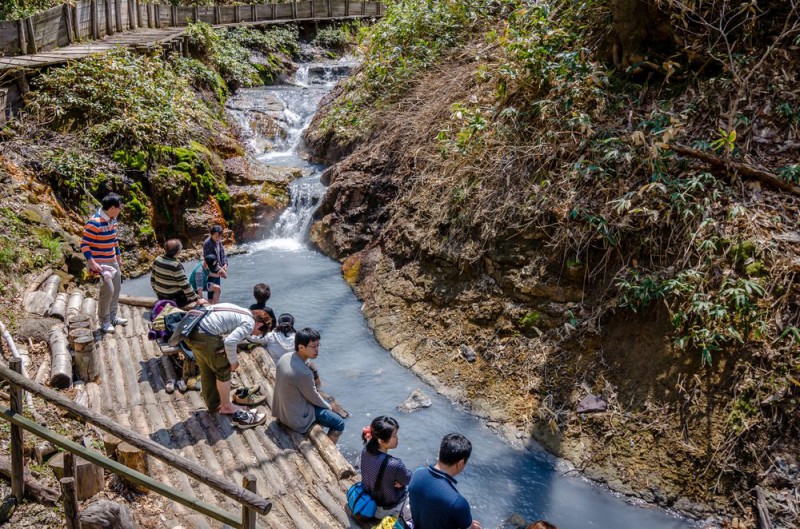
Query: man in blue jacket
x=435, y=502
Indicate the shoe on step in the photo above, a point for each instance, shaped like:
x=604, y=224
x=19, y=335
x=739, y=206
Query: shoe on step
x=169, y=387
x=243, y=397
x=107, y=328
x=119, y=321
x=180, y=385
x=248, y=419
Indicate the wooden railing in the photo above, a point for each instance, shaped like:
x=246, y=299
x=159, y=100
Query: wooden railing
x=94, y=19
x=252, y=504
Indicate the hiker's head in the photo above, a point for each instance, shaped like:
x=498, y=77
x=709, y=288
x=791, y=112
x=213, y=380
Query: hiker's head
x=211, y=263
x=306, y=343
x=216, y=232
x=172, y=247
x=285, y=324
x=262, y=292
x=111, y=205
x=455, y=451
x=381, y=434
x=263, y=322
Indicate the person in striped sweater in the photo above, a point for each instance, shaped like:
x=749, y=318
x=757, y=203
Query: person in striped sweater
x=100, y=247
x=168, y=277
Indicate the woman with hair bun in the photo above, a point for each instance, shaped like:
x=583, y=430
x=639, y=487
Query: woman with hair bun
x=391, y=494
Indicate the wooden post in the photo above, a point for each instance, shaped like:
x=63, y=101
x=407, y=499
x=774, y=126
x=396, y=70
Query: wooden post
x=23, y=41
x=186, y=41
x=70, y=503
x=3, y=99
x=195, y=14
x=76, y=28
x=109, y=23
x=157, y=15
x=70, y=468
x=217, y=14
x=237, y=17
x=273, y=8
x=17, y=464
x=248, y=514
x=132, y=457
x=253, y=12
x=347, y=8
x=173, y=16
x=67, y=10
x=118, y=13
x=22, y=82
x=330, y=9
x=312, y=13
x=363, y=8
x=138, y=9
x=294, y=10
x=93, y=19
x=32, y=34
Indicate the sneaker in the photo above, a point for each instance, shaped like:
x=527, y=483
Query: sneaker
x=107, y=328
x=235, y=382
x=180, y=385
x=245, y=397
x=120, y=321
x=248, y=419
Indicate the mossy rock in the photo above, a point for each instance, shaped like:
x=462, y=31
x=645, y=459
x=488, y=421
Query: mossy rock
x=756, y=269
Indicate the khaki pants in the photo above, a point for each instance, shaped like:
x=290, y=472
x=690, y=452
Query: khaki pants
x=209, y=352
x=108, y=300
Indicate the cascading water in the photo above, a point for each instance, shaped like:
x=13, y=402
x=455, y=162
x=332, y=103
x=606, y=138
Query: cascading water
x=499, y=479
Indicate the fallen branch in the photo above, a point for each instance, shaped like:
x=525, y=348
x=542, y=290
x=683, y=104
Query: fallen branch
x=743, y=169
x=41, y=493
x=762, y=511
x=14, y=351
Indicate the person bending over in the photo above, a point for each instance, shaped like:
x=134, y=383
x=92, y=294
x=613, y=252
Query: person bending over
x=435, y=502
x=296, y=402
x=221, y=330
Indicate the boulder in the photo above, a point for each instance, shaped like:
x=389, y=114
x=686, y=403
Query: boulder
x=415, y=401
x=591, y=404
x=468, y=353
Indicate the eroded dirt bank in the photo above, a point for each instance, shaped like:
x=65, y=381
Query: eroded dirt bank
x=524, y=333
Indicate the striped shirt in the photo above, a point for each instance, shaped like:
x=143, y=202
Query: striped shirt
x=167, y=278
x=100, y=238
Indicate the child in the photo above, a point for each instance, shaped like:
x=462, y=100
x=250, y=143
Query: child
x=262, y=292
x=199, y=279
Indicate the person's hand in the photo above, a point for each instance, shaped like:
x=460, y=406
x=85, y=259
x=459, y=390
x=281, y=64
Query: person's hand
x=234, y=366
x=93, y=266
x=475, y=524
x=398, y=485
x=223, y=273
x=119, y=261
x=201, y=301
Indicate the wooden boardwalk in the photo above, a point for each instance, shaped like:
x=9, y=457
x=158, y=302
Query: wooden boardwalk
x=305, y=477
x=68, y=32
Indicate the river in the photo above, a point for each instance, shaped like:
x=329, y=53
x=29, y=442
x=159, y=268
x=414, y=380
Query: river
x=499, y=479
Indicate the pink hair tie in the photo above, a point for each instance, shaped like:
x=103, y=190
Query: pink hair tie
x=367, y=432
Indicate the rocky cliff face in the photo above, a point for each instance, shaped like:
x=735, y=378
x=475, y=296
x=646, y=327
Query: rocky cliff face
x=524, y=336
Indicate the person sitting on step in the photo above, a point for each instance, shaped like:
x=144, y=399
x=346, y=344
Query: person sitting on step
x=262, y=293
x=391, y=492
x=296, y=402
x=168, y=278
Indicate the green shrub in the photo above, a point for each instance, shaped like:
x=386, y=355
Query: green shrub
x=16, y=9
x=337, y=37
x=125, y=100
x=75, y=173
x=201, y=76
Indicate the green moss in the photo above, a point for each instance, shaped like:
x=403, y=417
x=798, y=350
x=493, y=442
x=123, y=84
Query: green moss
x=132, y=160
x=531, y=319
x=756, y=269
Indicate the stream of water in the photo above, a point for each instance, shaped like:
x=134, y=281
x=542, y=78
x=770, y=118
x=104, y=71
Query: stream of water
x=499, y=479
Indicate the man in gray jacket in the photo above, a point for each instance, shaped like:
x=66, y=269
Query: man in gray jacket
x=221, y=330
x=296, y=402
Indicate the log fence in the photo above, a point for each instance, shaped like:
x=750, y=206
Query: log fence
x=95, y=19
x=252, y=504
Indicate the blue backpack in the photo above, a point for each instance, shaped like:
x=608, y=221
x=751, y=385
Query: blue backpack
x=362, y=506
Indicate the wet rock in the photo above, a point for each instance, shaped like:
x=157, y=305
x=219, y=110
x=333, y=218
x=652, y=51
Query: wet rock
x=591, y=404
x=515, y=521
x=33, y=215
x=415, y=401
x=468, y=353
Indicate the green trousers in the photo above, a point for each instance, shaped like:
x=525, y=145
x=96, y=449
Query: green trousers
x=209, y=351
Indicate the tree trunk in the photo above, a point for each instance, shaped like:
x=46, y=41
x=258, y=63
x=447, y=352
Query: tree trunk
x=61, y=366
x=638, y=28
x=132, y=457
x=33, y=489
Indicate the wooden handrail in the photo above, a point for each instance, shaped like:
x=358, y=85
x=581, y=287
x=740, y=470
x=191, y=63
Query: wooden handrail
x=118, y=468
x=259, y=504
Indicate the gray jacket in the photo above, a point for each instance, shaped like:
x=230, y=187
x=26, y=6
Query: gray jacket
x=295, y=394
x=231, y=321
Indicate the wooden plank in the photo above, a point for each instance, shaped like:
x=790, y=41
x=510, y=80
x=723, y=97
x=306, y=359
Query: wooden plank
x=32, y=48
x=118, y=15
x=108, y=14
x=140, y=479
x=17, y=442
x=23, y=39
x=144, y=443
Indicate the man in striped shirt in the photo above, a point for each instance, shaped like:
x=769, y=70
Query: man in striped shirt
x=101, y=250
x=168, y=277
